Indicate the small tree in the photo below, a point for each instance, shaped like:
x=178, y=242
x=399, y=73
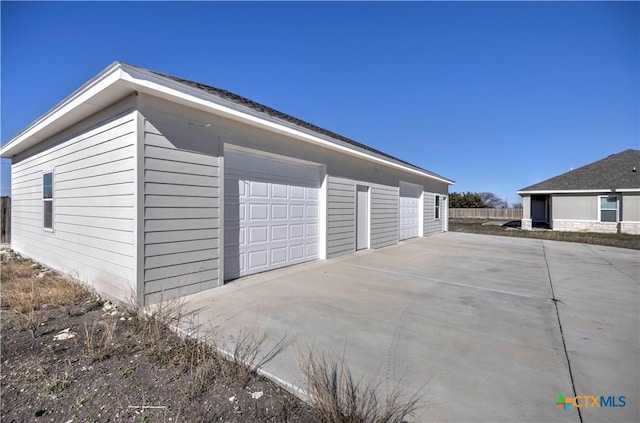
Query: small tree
x=465, y=200
x=492, y=201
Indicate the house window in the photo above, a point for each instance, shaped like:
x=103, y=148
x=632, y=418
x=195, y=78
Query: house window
x=437, y=207
x=609, y=209
x=47, y=200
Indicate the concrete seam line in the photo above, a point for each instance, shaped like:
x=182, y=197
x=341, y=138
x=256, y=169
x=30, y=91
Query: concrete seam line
x=564, y=344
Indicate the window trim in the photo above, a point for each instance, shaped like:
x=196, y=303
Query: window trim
x=617, y=197
x=50, y=200
x=436, y=207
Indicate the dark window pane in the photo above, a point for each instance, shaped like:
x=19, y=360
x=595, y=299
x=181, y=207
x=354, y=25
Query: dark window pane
x=609, y=203
x=48, y=214
x=47, y=185
x=608, y=215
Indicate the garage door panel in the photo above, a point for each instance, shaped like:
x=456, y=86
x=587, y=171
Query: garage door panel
x=258, y=190
x=279, y=211
x=297, y=193
x=281, y=224
x=279, y=233
x=279, y=256
x=409, y=211
x=297, y=231
x=258, y=234
x=296, y=252
x=312, y=249
x=312, y=229
x=296, y=211
x=258, y=212
x=312, y=212
x=257, y=259
x=279, y=191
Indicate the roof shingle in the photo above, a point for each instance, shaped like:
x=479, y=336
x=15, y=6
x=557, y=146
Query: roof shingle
x=613, y=172
x=273, y=113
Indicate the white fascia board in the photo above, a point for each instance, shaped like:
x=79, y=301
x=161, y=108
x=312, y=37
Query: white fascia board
x=151, y=83
x=579, y=191
x=82, y=96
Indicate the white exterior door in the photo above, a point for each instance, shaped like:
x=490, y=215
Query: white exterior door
x=409, y=210
x=362, y=217
x=271, y=213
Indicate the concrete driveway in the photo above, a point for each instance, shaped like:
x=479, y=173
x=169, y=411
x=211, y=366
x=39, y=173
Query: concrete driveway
x=467, y=319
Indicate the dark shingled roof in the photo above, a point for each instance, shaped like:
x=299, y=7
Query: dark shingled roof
x=613, y=172
x=273, y=113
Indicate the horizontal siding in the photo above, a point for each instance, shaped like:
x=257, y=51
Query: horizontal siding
x=93, y=204
x=181, y=219
x=384, y=216
x=431, y=225
x=341, y=216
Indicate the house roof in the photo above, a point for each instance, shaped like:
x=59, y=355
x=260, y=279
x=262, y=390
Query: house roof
x=121, y=79
x=617, y=172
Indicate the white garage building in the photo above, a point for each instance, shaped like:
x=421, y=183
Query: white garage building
x=146, y=184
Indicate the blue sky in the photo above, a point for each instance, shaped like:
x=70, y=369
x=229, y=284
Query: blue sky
x=496, y=96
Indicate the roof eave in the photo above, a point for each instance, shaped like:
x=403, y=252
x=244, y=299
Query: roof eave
x=157, y=85
x=577, y=191
x=83, y=102
x=79, y=103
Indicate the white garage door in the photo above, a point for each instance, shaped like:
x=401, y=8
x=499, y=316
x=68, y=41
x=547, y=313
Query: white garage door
x=270, y=213
x=409, y=210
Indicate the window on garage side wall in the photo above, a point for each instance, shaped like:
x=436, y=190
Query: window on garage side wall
x=47, y=200
x=609, y=210
x=437, y=207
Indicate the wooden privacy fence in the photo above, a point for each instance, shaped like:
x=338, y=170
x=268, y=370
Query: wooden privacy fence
x=506, y=214
x=5, y=220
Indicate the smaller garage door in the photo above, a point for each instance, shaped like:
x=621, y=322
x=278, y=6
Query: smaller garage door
x=409, y=210
x=271, y=213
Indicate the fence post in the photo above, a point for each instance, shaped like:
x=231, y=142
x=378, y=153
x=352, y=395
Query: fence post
x=5, y=219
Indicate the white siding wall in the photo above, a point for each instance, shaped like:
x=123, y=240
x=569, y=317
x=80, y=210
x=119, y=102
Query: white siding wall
x=631, y=207
x=384, y=215
x=341, y=216
x=184, y=129
x=93, y=237
x=431, y=224
x=181, y=217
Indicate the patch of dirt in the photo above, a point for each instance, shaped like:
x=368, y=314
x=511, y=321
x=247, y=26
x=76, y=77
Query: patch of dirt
x=95, y=362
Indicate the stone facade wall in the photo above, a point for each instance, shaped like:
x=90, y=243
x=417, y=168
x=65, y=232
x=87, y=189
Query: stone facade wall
x=632, y=228
x=527, y=224
x=584, y=226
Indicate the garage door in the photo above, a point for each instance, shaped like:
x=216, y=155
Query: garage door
x=271, y=215
x=409, y=210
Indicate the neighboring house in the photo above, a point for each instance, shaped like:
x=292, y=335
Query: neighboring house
x=146, y=184
x=603, y=196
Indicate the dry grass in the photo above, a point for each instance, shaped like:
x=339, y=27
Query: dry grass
x=26, y=287
x=249, y=352
x=339, y=398
x=99, y=339
x=199, y=374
